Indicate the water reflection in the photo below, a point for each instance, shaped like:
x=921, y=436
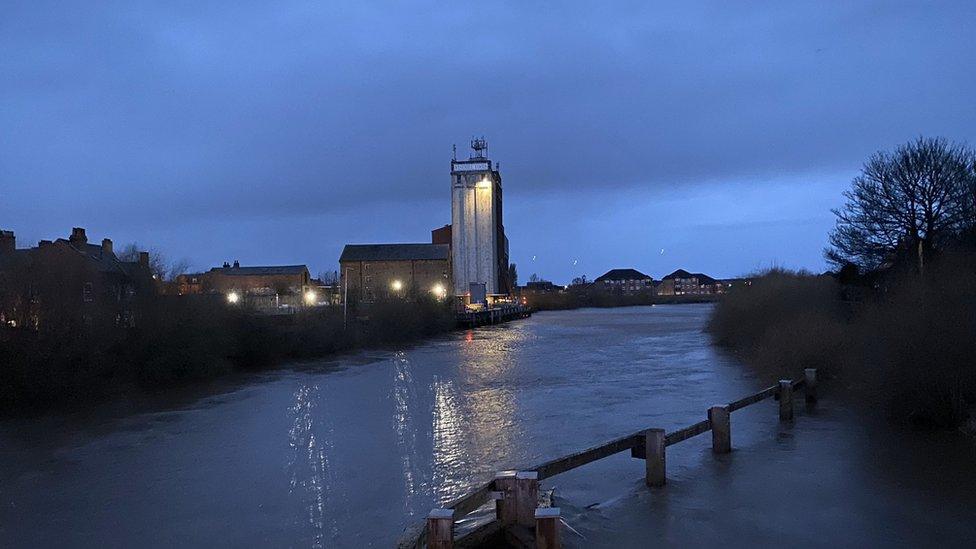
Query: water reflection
x=405, y=427
x=311, y=476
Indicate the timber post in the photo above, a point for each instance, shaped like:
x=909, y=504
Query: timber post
x=504, y=496
x=526, y=497
x=440, y=529
x=547, y=528
x=654, y=462
x=720, y=418
x=810, y=385
x=785, y=400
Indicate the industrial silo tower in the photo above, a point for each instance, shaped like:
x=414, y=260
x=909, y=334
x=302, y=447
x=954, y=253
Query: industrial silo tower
x=478, y=243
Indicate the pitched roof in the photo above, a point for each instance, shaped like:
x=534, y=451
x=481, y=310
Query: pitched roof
x=261, y=271
x=681, y=273
x=623, y=274
x=394, y=252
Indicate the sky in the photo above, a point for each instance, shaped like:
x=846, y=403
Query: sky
x=709, y=136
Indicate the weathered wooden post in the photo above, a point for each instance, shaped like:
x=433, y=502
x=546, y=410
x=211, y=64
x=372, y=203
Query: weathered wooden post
x=720, y=419
x=505, y=506
x=810, y=382
x=654, y=463
x=526, y=497
x=785, y=400
x=547, y=528
x=440, y=529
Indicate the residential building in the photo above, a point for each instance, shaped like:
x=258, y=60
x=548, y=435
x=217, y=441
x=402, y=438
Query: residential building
x=681, y=282
x=625, y=282
x=69, y=280
x=371, y=271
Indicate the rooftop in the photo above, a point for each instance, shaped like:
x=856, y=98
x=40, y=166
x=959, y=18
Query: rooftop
x=394, y=252
x=261, y=271
x=622, y=274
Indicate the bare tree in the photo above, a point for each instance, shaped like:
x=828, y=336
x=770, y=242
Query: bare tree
x=513, y=275
x=534, y=278
x=159, y=265
x=904, y=205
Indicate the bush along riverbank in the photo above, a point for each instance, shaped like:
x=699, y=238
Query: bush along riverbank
x=904, y=341
x=176, y=341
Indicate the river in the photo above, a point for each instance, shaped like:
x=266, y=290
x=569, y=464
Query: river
x=347, y=452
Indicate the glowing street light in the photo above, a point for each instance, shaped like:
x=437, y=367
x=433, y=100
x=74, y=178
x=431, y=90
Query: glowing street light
x=396, y=285
x=439, y=290
x=233, y=297
x=310, y=297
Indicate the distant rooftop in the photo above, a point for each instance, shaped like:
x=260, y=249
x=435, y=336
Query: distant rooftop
x=260, y=271
x=622, y=274
x=681, y=273
x=394, y=252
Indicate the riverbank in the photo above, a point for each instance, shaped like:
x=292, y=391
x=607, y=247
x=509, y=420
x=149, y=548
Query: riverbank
x=181, y=341
x=579, y=299
x=903, y=343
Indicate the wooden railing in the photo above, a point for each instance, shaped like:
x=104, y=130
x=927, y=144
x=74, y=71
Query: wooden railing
x=523, y=523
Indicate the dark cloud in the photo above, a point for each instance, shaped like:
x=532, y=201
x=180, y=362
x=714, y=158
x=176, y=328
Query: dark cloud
x=166, y=120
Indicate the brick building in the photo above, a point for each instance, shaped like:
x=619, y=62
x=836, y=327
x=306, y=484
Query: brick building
x=69, y=280
x=625, y=282
x=681, y=282
x=370, y=271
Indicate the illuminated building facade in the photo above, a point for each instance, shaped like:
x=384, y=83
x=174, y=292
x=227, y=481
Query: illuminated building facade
x=478, y=245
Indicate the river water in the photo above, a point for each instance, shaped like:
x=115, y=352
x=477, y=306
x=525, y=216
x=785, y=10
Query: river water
x=347, y=452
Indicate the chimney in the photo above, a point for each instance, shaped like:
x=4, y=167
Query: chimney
x=8, y=242
x=44, y=243
x=144, y=259
x=226, y=265
x=106, y=247
x=78, y=236
x=237, y=264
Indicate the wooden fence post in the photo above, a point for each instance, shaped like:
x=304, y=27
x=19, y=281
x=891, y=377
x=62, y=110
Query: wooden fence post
x=440, y=529
x=720, y=419
x=526, y=497
x=810, y=390
x=547, y=528
x=785, y=400
x=654, y=445
x=505, y=507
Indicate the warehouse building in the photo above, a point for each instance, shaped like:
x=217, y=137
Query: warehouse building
x=371, y=271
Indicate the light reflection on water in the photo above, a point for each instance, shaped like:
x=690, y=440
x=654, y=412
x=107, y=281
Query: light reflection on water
x=312, y=479
x=347, y=457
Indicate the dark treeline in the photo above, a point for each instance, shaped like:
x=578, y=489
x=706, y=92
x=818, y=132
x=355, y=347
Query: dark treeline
x=177, y=340
x=577, y=297
x=896, y=323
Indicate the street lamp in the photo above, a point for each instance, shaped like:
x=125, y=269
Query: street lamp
x=233, y=298
x=310, y=297
x=396, y=285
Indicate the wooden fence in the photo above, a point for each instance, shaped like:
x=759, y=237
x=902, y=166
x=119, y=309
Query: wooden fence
x=515, y=493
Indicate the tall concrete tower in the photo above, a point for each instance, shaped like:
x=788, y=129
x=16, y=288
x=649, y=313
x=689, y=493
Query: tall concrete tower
x=478, y=243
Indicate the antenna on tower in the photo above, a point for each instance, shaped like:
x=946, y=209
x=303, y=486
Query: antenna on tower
x=480, y=146
x=454, y=151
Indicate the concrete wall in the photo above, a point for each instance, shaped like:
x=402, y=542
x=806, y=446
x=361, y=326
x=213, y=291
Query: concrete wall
x=474, y=232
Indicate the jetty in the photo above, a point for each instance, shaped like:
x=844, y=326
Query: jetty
x=520, y=520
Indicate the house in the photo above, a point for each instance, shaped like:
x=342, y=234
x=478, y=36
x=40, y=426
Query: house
x=370, y=271
x=624, y=282
x=681, y=282
x=69, y=280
